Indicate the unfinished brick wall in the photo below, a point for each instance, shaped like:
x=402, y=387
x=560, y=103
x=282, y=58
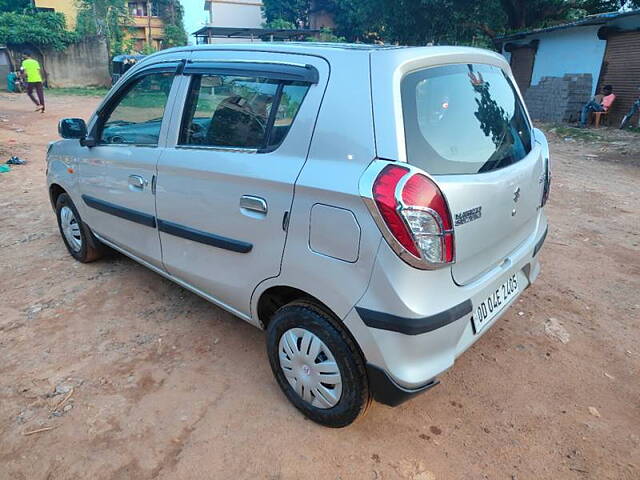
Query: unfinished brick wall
x=559, y=99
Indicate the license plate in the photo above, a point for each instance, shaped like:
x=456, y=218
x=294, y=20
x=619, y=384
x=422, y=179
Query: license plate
x=486, y=310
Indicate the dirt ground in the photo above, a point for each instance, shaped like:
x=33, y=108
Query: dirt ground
x=161, y=384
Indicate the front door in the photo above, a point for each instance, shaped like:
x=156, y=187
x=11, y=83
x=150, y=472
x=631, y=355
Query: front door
x=117, y=175
x=225, y=187
x=522, y=61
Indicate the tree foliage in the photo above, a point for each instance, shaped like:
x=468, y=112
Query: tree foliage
x=418, y=22
x=43, y=29
x=105, y=19
x=526, y=14
x=294, y=12
x=279, y=24
x=326, y=35
x=172, y=13
x=18, y=6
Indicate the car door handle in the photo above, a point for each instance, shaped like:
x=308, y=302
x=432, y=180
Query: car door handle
x=253, y=203
x=136, y=182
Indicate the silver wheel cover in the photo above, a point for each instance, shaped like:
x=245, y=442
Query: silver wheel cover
x=70, y=228
x=310, y=368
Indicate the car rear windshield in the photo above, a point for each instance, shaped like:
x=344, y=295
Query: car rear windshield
x=463, y=119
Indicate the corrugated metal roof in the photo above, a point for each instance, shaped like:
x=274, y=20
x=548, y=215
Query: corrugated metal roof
x=248, y=32
x=599, y=19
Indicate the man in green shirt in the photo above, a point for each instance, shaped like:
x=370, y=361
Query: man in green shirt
x=31, y=70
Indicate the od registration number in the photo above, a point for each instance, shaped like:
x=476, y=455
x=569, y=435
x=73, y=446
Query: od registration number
x=490, y=307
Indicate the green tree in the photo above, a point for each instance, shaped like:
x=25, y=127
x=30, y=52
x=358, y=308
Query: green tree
x=42, y=29
x=357, y=20
x=416, y=22
x=326, y=35
x=279, y=24
x=105, y=19
x=419, y=22
x=295, y=12
x=172, y=13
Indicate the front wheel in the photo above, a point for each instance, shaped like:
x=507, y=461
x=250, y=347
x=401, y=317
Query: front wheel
x=317, y=365
x=77, y=236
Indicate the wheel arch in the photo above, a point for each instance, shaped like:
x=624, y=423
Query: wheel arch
x=55, y=190
x=277, y=296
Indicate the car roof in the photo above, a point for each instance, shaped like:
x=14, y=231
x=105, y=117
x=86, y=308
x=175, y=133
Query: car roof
x=342, y=54
x=329, y=50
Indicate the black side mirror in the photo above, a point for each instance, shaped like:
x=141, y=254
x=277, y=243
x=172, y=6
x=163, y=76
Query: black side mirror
x=72, y=128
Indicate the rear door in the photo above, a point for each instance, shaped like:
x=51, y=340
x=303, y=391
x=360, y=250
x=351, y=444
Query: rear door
x=225, y=184
x=463, y=122
x=466, y=125
x=117, y=174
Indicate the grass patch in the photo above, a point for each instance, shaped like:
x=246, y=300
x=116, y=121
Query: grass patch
x=79, y=91
x=577, y=133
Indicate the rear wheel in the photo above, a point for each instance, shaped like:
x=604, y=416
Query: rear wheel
x=317, y=365
x=77, y=236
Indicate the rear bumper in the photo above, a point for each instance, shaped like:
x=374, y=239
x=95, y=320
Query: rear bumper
x=385, y=390
x=411, y=325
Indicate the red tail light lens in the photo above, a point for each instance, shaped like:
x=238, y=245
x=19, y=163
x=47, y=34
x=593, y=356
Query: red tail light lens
x=416, y=214
x=384, y=194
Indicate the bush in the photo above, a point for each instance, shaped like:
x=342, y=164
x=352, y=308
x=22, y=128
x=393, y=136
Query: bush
x=43, y=29
x=326, y=35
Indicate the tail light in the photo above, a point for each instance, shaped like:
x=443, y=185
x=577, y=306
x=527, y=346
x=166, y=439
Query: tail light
x=413, y=215
x=546, y=188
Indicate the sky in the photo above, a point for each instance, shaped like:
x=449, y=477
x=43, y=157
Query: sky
x=194, y=17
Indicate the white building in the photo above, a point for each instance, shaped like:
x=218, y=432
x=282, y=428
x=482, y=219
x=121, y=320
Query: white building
x=236, y=14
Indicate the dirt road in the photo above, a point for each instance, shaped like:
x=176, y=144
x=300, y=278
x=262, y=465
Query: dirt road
x=161, y=384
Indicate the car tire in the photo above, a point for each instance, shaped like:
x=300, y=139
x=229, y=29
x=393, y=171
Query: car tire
x=77, y=236
x=303, y=330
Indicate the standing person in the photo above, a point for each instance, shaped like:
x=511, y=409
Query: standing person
x=31, y=69
x=598, y=106
x=635, y=108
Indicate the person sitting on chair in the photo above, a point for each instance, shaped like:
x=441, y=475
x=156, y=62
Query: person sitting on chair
x=597, y=105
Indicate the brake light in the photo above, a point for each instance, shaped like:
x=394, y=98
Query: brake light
x=384, y=194
x=416, y=214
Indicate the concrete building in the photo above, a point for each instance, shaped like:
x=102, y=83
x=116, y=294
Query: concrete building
x=562, y=66
x=236, y=14
x=143, y=25
x=239, y=21
x=67, y=7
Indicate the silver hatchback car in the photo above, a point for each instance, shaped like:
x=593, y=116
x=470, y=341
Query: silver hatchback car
x=374, y=209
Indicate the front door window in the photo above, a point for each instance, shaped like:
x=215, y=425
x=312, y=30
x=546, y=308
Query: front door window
x=137, y=117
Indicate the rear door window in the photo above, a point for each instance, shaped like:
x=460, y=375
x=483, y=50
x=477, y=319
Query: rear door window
x=244, y=112
x=463, y=119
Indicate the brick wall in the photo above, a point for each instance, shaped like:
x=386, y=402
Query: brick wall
x=559, y=99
